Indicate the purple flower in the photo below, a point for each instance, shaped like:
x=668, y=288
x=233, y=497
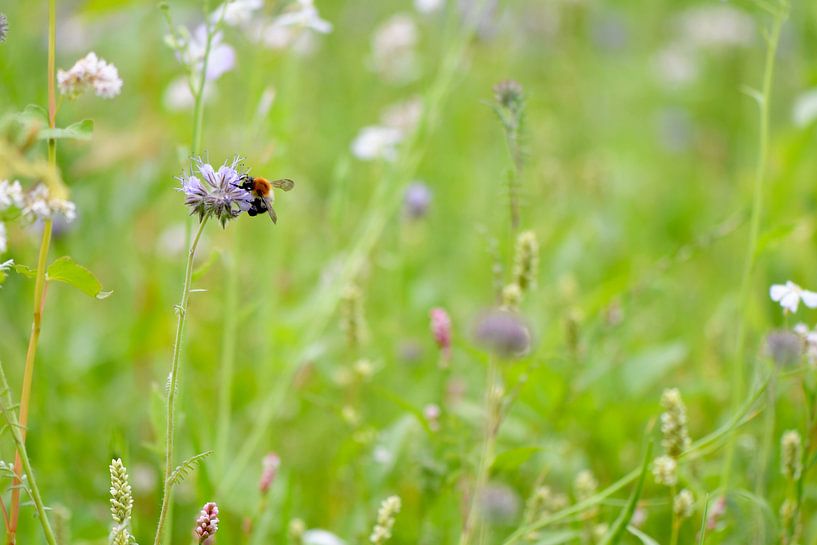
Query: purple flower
x=207, y=523
x=416, y=200
x=219, y=195
x=503, y=333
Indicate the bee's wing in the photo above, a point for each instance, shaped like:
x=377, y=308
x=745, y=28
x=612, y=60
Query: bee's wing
x=284, y=184
x=273, y=216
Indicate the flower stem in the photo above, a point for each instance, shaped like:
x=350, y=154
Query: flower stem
x=181, y=311
x=39, y=286
x=738, y=370
x=17, y=430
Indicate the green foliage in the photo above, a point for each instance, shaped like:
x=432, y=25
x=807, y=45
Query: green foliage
x=66, y=270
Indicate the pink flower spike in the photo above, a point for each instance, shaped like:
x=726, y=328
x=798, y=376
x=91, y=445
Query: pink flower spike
x=271, y=463
x=207, y=523
x=441, y=328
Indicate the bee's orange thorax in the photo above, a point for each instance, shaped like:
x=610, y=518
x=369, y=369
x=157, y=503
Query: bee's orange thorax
x=261, y=186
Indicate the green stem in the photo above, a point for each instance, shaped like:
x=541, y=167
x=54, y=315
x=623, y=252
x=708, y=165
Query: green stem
x=493, y=404
x=738, y=370
x=676, y=520
x=16, y=432
x=198, y=107
x=40, y=283
x=227, y=358
x=181, y=310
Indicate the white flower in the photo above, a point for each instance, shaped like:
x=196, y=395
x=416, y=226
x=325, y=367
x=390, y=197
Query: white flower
x=403, y=116
x=11, y=194
x=3, y=240
x=428, y=6
x=321, y=537
x=376, y=142
x=237, y=12
x=220, y=61
x=90, y=72
x=304, y=15
x=716, y=26
x=790, y=294
x=178, y=96
x=805, y=108
x=39, y=205
x=393, y=49
x=676, y=65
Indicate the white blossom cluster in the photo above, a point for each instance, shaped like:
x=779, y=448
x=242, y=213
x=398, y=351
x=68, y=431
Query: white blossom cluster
x=90, y=73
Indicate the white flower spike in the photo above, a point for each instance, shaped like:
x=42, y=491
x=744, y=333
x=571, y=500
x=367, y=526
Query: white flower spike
x=790, y=294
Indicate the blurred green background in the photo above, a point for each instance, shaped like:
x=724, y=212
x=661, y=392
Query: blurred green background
x=640, y=151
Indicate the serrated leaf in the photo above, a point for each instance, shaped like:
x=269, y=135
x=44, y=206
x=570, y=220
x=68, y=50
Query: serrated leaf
x=185, y=468
x=66, y=270
x=81, y=130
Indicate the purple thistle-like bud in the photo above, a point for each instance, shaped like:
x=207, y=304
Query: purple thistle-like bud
x=207, y=523
x=503, y=333
x=441, y=328
x=271, y=463
x=416, y=200
x=219, y=194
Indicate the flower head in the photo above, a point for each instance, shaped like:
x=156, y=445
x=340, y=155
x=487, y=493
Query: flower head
x=674, y=423
x=38, y=204
x=683, y=504
x=385, y=520
x=790, y=294
x=90, y=72
x=271, y=463
x=665, y=470
x=220, y=195
x=441, y=329
x=4, y=27
x=121, y=503
x=503, y=333
x=11, y=195
x=207, y=523
x=416, y=200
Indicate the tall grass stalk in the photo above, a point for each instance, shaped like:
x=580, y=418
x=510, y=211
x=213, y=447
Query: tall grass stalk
x=16, y=430
x=763, y=98
x=181, y=310
x=39, y=285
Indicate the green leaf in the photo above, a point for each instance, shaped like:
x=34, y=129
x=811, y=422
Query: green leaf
x=67, y=270
x=25, y=270
x=81, y=130
x=645, y=539
x=35, y=110
x=626, y=515
x=185, y=468
x=513, y=458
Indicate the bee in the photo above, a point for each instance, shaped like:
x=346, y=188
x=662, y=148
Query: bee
x=261, y=191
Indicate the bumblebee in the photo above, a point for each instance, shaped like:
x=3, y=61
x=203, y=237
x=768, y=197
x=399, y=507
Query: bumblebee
x=261, y=191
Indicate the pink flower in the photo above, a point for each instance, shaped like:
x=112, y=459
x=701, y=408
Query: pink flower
x=271, y=463
x=441, y=328
x=207, y=523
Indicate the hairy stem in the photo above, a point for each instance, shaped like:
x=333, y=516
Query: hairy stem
x=16, y=432
x=39, y=286
x=738, y=365
x=173, y=381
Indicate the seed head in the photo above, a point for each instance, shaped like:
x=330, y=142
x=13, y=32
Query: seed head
x=121, y=503
x=526, y=262
x=791, y=446
x=219, y=195
x=683, y=504
x=207, y=523
x=674, y=423
x=385, y=520
x=665, y=470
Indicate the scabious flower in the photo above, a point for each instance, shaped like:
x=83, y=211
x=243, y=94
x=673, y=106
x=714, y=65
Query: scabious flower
x=207, y=523
x=270, y=463
x=191, y=49
x=674, y=423
x=121, y=503
x=90, y=72
x=503, y=333
x=219, y=195
x=416, y=200
x=441, y=329
x=498, y=503
x=791, y=459
x=665, y=470
x=393, y=55
x=790, y=294
x=683, y=504
x=385, y=520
